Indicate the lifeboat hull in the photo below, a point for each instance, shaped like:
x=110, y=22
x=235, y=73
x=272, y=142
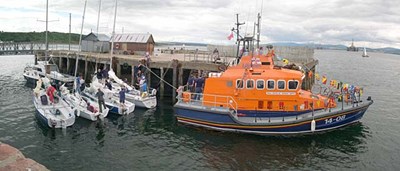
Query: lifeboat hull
x=302, y=124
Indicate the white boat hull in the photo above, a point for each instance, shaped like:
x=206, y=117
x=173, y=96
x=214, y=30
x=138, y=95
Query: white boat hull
x=113, y=104
x=59, y=115
x=81, y=104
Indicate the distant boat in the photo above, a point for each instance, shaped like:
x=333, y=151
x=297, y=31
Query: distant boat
x=365, y=53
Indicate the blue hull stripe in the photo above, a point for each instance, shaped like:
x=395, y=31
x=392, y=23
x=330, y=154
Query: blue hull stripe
x=225, y=121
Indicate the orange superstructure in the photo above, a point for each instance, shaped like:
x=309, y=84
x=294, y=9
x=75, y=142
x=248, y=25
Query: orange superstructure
x=255, y=83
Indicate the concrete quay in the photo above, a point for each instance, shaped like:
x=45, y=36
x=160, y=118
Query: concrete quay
x=11, y=159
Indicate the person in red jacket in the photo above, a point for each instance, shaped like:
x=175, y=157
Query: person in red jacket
x=50, y=92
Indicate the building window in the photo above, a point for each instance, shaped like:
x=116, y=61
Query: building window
x=260, y=84
x=271, y=84
x=250, y=84
x=239, y=83
x=292, y=85
x=281, y=84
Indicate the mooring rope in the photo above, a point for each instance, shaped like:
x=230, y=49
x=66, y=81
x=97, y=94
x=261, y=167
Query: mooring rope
x=160, y=77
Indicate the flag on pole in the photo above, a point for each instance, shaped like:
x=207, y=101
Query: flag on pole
x=332, y=83
x=345, y=87
x=324, y=79
x=285, y=61
x=317, y=76
x=230, y=37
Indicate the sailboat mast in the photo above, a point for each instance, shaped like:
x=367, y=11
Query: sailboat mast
x=98, y=19
x=112, y=35
x=47, y=24
x=80, y=39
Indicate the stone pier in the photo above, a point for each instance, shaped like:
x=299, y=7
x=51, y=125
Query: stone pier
x=11, y=159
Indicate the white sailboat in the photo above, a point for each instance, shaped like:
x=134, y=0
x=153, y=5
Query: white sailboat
x=140, y=99
x=50, y=109
x=88, y=108
x=55, y=113
x=111, y=97
x=365, y=53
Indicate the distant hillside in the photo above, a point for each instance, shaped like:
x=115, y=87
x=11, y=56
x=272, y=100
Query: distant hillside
x=179, y=44
x=338, y=47
x=53, y=37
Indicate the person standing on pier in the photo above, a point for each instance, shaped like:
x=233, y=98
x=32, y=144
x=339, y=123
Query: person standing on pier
x=105, y=73
x=99, y=75
x=100, y=99
x=147, y=59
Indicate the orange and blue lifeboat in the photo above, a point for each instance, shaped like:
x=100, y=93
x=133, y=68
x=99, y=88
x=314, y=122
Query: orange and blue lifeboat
x=257, y=97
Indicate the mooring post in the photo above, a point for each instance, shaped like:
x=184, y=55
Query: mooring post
x=77, y=58
x=180, y=76
x=161, y=83
x=86, y=68
x=133, y=75
x=118, y=69
x=60, y=62
x=68, y=64
x=174, y=78
x=36, y=59
x=148, y=76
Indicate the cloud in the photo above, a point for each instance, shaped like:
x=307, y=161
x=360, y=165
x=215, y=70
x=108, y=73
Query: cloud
x=372, y=22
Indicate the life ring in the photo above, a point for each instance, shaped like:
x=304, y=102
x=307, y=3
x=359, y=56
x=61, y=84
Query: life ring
x=186, y=96
x=222, y=68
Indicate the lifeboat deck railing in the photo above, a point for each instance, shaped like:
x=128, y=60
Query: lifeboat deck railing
x=216, y=102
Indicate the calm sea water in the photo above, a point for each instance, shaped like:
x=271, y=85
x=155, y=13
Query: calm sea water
x=152, y=139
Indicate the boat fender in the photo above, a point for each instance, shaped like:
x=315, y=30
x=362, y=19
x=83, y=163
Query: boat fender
x=76, y=112
x=58, y=112
x=154, y=92
x=313, y=125
x=53, y=123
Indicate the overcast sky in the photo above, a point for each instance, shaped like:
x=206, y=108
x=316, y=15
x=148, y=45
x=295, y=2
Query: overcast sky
x=373, y=23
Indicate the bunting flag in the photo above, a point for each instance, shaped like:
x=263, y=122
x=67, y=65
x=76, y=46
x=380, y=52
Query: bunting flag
x=332, y=83
x=317, y=76
x=310, y=73
x=324, y=79
x=285, y=61
x=345, y=87
x=230, y=37
x=339, y=85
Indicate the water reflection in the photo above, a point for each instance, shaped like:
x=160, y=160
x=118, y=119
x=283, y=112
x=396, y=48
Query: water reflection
x=248, y=152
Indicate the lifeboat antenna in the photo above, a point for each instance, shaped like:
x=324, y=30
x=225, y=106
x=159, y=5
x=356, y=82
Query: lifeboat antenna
x=258, y=29
x=237, y=34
